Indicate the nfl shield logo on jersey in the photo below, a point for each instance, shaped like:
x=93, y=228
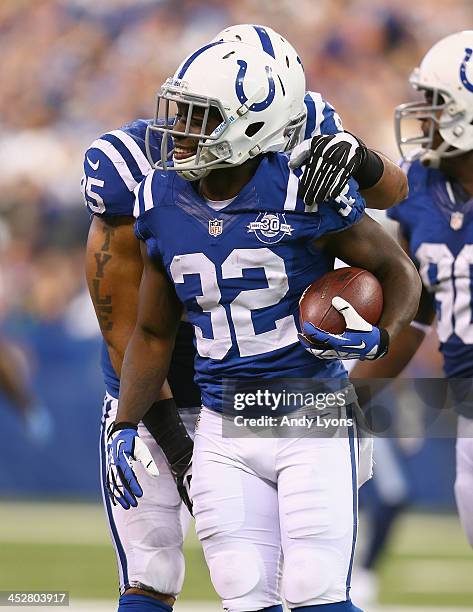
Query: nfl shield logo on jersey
x=215, y=227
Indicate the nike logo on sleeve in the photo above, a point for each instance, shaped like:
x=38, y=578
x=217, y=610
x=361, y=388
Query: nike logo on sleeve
x=92, y=165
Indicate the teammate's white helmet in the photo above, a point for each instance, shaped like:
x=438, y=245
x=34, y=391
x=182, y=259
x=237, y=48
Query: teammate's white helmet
x=261, y=110
x=447, y=72
x=275, y=45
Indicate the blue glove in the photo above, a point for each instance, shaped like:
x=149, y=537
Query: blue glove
x=124, y=446
x=360, y=340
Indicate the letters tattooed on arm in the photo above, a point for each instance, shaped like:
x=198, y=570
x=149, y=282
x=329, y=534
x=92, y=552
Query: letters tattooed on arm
x=114, y=268
x=103, y=303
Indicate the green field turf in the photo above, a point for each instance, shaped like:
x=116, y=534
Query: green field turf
x=65, y=547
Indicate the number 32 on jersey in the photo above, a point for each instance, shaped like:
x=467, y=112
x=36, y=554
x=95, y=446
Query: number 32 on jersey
x=249, y=343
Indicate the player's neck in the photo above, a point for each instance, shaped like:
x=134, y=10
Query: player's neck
x=225, y=184
x=461, y=169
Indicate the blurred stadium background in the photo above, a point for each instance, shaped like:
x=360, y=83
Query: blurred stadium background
x=71, y=70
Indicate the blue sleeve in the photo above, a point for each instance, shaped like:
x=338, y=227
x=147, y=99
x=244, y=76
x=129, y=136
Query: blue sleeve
x=113, y=167
x=322, y=118
x=401, y=214
x=142, y=231
x=393, y=213
x=343, y=212
x=147, y=196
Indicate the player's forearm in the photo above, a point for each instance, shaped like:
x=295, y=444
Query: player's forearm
x=391, y=188
x=116, y=346
x=401, y=293
x=401, y=350
x=144, y=371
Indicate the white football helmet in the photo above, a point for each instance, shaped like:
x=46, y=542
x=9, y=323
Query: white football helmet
x=275, y=45
x=261, y=109
x=447, y=72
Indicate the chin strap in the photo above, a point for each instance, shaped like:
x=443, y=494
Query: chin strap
x=432, y=157
x=194, y=174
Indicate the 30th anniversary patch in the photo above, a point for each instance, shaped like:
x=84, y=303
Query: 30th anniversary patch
x=270, y=227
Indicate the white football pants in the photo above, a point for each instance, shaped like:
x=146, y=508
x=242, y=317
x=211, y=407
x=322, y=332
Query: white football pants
x=257, y=500
x=147, y=539
x=464, y=477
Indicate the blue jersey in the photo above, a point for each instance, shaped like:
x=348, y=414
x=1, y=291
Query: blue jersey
x=240, y=271
x=437, y=221
x=116, y=163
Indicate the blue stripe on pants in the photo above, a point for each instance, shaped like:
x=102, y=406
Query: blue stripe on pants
x=103, y=472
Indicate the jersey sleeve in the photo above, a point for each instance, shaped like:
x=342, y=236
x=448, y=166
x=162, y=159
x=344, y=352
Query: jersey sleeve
x=148, y=196
x=335, y=214
x=341, y=213
x=113, y=166
x=322, y=118
x=143, y=202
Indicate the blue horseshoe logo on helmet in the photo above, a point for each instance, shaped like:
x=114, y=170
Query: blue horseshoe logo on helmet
x=464, y=79
x=257, y=106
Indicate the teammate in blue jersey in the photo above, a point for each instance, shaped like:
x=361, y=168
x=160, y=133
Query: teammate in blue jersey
x=148, y=547
x=114, y=165
x=436, y=227
x=228, y=238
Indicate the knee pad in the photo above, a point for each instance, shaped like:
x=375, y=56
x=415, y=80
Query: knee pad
x=308, y=574
x=163, y=571
x=235, y=572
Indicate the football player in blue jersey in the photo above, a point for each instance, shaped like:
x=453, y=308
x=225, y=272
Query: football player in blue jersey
x=148, y=544
x=114, y=165
x=225, y=235
x=436, y=229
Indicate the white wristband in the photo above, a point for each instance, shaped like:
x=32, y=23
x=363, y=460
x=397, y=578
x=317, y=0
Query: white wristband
x=423, y=327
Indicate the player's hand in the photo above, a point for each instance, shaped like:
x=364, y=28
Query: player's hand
x=329, y=163
x=124, y=447
x=360, y=340
x=182, y=472
x=183, y=484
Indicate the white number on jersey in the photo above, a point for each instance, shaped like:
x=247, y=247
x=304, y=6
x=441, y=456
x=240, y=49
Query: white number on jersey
x=248, y=341
x=209, y=301
x=93, y=199
x=451, y=286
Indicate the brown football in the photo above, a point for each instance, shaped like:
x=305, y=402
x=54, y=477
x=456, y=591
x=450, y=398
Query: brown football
x=355, y=285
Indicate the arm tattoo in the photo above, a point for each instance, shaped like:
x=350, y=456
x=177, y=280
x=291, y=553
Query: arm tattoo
x=103, y=305
x=101, y=260
x=108, y=231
